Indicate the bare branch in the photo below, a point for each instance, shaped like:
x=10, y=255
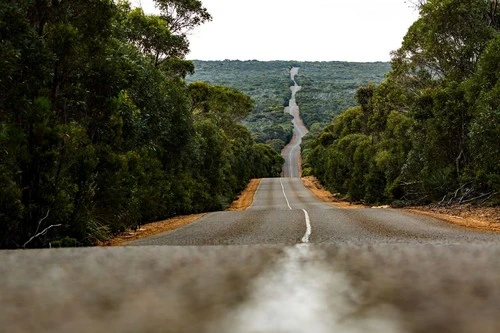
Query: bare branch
x=440, y=203
x=44, y=231
x=488, y=198
x=478, y=197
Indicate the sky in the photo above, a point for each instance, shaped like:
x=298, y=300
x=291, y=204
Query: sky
x=302, y=30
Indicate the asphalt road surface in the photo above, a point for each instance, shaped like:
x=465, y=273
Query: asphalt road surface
x=291, y=152
x=285, y=212
x=290, y=263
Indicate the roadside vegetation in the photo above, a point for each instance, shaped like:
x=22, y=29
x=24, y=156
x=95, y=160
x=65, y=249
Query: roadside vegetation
x=267, y=82
x=430, y=131
x=99, y=131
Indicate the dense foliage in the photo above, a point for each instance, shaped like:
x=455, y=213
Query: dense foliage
x=266, y=82
x=430, y=131
x=98, y=130
x=329, y=87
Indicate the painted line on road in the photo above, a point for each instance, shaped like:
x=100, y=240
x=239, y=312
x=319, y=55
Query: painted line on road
x=305, y=239
x=283, y=189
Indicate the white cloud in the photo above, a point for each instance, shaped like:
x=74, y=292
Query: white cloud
x=351, y=30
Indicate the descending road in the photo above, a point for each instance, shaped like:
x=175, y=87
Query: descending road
x=289, y=263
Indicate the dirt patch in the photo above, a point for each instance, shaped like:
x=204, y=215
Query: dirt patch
x=245, y=199
x=481, y=218
x=313, y=185
x=152, y=229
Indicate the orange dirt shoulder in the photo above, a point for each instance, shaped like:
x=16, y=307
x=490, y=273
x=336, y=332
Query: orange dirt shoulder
x=480, y=218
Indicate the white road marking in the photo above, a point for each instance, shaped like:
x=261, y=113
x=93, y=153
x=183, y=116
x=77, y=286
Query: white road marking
x=300, y=294
x=283, y=189
x=292, y=109
x=305, y=239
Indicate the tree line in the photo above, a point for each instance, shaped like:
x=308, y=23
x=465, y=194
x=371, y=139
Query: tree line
x=430, y=131
x=328, y=88
x=99, y=131
x=267, y=83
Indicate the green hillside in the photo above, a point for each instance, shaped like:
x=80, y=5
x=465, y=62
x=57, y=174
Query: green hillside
x=329, y=88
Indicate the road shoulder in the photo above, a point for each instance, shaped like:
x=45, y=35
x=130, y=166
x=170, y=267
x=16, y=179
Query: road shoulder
x=479, y=218
x=244, y=200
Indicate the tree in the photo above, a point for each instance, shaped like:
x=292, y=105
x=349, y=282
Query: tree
x=94, y=136
x=484, y=91
x=428, y=132
x=183, y=15
x=226, y=105
x=445, y=42
x=152, y=35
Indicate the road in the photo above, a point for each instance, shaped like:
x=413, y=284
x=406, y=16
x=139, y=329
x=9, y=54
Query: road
x=291, y=152
x=289, y=263
x=285, y=212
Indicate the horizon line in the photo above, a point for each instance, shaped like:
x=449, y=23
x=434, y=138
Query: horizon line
x=291, y=60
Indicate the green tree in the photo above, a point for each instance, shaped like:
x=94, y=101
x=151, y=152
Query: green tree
x=484, y=90
x=428, y=131
x=152, y=35
x=183, y=15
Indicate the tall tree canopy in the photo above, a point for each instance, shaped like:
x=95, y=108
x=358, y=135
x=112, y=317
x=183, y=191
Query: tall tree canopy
x=97, y=131
x=183, y=15
x=430, y=130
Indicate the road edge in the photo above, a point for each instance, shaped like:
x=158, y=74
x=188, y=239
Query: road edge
x=245, y=198
x=475, y=222
x=242, y=203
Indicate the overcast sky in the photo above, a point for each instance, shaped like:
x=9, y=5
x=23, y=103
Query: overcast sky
x=305, y=30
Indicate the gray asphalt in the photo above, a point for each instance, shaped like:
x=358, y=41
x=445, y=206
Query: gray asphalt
x=278, y=216
x=343, y=287
x=291, y=152
x=290, y=263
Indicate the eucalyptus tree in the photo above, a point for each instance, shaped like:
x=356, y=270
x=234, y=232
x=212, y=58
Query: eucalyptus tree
x=183, y=15
x=96, y=129
x=428, y=131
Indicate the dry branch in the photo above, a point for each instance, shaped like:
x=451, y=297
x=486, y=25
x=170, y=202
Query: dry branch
x=44, y=231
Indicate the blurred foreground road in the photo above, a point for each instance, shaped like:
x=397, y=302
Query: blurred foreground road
x=288, y=264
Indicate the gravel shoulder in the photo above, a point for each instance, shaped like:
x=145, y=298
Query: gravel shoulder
x=480, y=218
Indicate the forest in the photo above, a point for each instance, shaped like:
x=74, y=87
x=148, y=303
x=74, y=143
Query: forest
x=329, y=88
x=99, y=131
x=430, y=131
x=104, y=124
x=267, y=82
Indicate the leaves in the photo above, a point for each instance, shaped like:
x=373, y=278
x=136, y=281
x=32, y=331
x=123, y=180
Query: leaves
x=432, y=125
x=183, y=15
x=96, y=124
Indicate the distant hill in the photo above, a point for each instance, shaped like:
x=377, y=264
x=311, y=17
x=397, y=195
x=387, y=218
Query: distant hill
x=328, y=89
